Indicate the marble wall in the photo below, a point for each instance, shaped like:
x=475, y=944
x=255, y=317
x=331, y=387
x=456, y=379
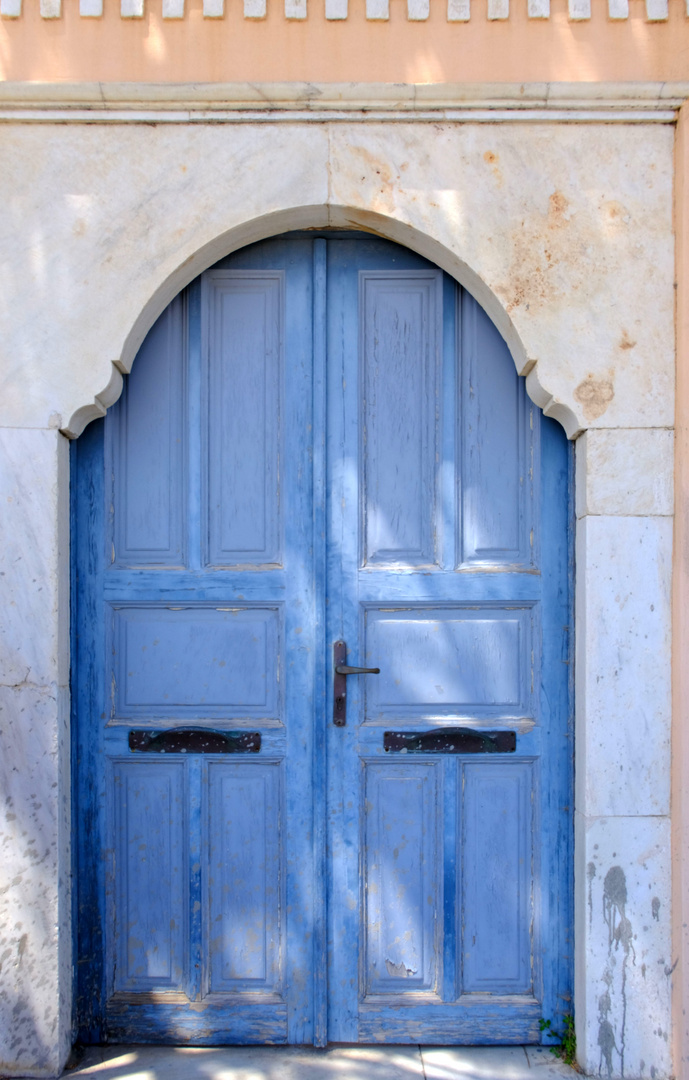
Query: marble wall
x=564, y=233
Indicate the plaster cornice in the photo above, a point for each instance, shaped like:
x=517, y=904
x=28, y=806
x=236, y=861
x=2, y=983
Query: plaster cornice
x=92, y=102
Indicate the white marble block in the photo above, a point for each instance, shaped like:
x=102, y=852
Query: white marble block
x=10, y=9
x=132, y=9
x=213, y=9
x=579, y=9
x=618, y=9
x=336, y=9
x=35, y=934
x=538, y=9
x=93, y=9
x=623, y=707
x=51, y=9
x=656, y=10
x=377, y=9
x=295, y=9
x=623, y=951
x=625, y=472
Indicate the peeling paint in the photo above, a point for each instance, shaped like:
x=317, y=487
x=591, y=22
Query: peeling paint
x=399, y=971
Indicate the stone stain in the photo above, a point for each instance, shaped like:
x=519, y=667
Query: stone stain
x=492, y=159
x=625, y=341
x=620, y=934
x=542, y=249
x=558, y=211
x=590, y=875
x=594, y=395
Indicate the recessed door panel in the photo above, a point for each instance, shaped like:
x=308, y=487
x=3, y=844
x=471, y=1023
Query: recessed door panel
x=200, y=661
x=149, y=870
x=400, y=368
x=496, y=854
x=244, y=877
x=244, y=365
x=498, y=428
x=403, y=915
x=147, y=451
x=468, y=661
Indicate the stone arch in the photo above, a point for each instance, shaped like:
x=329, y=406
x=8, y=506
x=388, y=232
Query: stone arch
x=317, y=217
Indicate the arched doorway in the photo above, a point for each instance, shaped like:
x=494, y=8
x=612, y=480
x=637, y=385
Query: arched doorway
x=323, y=457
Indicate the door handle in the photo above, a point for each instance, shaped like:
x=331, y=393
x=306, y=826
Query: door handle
x=342, y=670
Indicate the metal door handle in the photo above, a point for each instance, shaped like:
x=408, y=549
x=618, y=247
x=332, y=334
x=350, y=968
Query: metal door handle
x=342, y=670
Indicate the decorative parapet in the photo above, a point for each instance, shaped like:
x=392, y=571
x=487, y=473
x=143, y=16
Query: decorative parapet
x=377, y=10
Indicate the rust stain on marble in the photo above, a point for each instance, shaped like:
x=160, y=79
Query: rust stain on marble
x=594, y=395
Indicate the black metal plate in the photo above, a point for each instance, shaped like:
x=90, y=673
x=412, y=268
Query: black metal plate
x=195, y=741
x=450, y=741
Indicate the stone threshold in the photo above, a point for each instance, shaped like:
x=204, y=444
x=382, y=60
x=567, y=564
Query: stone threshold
x=332, y=1063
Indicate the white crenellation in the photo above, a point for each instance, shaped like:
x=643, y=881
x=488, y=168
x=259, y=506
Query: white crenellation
x=460, y=10
x=12, y=9
x=417, y=10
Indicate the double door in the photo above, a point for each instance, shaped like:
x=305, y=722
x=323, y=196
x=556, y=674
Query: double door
x=323, y=457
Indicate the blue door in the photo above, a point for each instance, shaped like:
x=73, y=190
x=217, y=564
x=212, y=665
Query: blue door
x=323, y=459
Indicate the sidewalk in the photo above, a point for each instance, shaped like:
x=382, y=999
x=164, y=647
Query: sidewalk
x=334, y=1063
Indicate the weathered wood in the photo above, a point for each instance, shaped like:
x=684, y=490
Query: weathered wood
x=323, y=438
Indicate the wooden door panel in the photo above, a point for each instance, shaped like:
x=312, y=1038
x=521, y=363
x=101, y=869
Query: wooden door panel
x=497, y=874
x=497, y=466
x=148, y=872
x=468, y=662
x=196, y=662
x=147, y=432
x=403, y=890
x=242, y=436
x=401, y=333
x=245, y=903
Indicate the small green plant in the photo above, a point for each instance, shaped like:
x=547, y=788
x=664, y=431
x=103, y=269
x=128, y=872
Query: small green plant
x=567, y=1040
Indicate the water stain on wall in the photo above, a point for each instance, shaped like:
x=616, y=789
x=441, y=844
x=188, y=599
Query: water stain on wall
x=620, y=935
